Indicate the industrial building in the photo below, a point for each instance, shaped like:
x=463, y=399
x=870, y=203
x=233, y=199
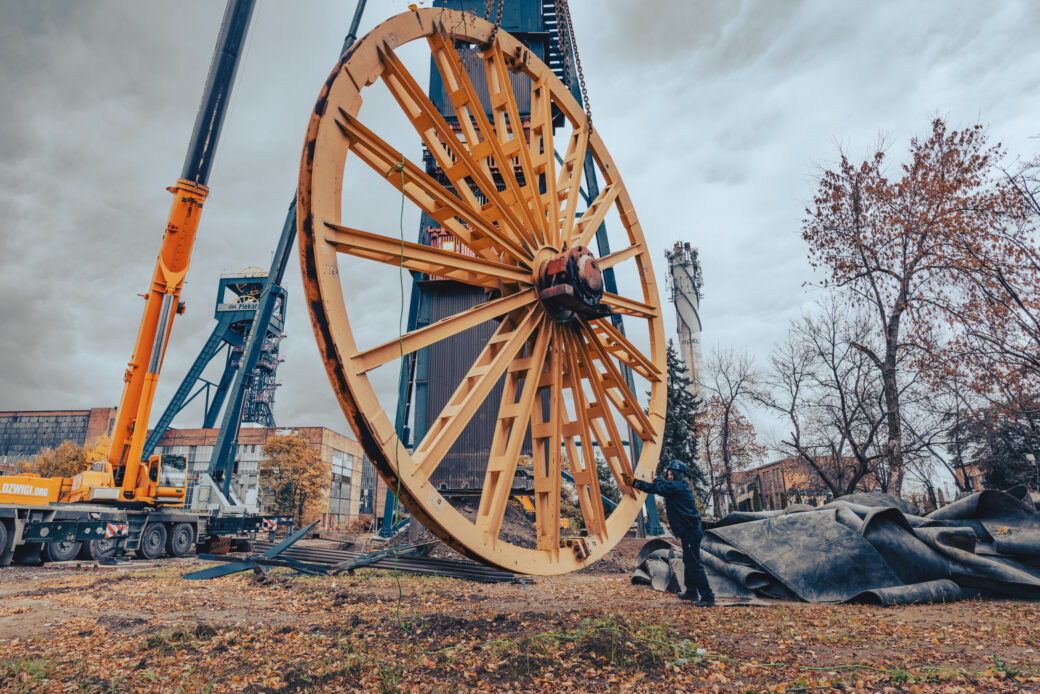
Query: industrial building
x=24, y=434
x=354, y=487
x=347, y=497
x=782, y=482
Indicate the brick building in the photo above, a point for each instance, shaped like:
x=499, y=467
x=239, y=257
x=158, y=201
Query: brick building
x=354, y=487
x=780, y=483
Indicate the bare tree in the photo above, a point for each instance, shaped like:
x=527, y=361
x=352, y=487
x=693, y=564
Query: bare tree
x=730, y=444
x=830, y=395
x=731, y=380
x=954, y=405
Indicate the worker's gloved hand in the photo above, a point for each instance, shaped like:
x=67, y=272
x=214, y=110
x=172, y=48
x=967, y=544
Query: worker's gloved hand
x=628, y=479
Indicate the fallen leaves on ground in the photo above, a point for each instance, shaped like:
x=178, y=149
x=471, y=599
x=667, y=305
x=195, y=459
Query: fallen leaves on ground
x=152, y=631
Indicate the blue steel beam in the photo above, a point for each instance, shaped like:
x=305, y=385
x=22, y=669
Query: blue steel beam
x=181, y=396
x=223, y=460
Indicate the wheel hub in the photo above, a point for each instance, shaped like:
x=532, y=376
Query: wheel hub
x=570, y=284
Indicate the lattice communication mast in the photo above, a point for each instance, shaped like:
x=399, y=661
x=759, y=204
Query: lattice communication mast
x=684, y=285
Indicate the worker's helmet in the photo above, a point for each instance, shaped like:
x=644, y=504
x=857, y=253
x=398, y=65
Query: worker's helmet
x=677, y=466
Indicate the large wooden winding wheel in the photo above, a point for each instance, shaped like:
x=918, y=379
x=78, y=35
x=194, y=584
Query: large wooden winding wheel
x=559, y=357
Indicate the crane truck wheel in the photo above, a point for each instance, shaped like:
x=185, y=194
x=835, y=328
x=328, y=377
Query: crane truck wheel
x=4, y=536
x=61, y=551
x=104, y=549
x=153, y=541
x=181, y=540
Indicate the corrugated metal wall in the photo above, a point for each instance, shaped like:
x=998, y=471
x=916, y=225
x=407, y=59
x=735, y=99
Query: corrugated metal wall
x=26, y=434
x=465, y=464
x=441, y=367
x=474, y=66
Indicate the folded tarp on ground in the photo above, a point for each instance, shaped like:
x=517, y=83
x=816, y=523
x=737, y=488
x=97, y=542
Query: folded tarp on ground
x=866, y=548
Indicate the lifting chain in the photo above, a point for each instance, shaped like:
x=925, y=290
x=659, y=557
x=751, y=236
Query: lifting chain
x=498, y=17
x=567, y=42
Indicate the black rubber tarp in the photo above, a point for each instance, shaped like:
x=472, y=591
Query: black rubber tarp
x=867, y=547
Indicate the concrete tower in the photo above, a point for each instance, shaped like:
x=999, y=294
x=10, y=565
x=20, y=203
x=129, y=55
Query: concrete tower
x=684, y=284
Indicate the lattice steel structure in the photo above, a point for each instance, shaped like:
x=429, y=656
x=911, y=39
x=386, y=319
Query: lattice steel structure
x=235, y=310
x=684, y=285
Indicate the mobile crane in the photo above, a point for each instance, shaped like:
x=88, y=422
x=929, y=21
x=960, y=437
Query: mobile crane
x=125, y=503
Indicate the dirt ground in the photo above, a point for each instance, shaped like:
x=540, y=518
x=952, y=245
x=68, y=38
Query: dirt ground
x=150, y=630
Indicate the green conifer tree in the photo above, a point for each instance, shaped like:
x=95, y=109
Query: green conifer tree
x=680, y=440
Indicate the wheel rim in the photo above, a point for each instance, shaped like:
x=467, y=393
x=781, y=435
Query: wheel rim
x=105, y=547
x=66, y=549
x=181, y=540
x=549, y=339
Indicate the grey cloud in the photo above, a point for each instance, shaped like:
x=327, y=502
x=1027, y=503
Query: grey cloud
x=714, y=112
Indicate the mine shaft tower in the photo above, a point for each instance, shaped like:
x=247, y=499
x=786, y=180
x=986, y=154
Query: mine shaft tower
x=684, y=284
x=426, y=390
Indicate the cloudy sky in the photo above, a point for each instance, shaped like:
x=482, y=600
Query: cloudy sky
x=719, y=116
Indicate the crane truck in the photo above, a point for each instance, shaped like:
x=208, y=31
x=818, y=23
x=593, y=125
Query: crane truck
x=126, y=504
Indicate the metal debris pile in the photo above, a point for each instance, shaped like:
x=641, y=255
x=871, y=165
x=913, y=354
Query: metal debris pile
x=325, y=561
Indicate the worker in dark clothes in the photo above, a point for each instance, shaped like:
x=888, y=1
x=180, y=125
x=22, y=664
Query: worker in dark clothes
x=685, y=521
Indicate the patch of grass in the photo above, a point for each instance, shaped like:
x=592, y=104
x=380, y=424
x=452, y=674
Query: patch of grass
x=25, y=674
x=1000, y=665
x=610, y=639
x=901, y=676
x=390, y=678
x=166, y=640
x=521, y=657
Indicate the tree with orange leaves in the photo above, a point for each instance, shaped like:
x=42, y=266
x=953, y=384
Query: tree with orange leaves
x=900, y=248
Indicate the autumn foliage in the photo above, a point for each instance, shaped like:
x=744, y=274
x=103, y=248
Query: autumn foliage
x=906, y=249
x=294, y=477
x=67, y=460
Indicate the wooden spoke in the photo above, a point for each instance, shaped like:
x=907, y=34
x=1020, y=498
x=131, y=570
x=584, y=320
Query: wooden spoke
x=630, y=307
x=586, y=227
x=446, y=209
x=546, y=439
x=494, y=184
x=419, y=258
x=441, y=330
x=613, y=341
x=467, y=105
x=542, y=153
x=613, y=385
x=514, y=416
x=452, y=156
x=618, y=256
x=601, y=421
x=474, y=388
x=435, y=131
x=568, y=187
x=583, y=468
x=503, y=105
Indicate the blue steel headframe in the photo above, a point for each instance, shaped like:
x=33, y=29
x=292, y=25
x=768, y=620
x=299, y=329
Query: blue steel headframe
x=534, y=22
x=531, y=21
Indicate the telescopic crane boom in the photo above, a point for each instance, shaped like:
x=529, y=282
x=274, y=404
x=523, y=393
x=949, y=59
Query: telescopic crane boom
x=135, y=479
